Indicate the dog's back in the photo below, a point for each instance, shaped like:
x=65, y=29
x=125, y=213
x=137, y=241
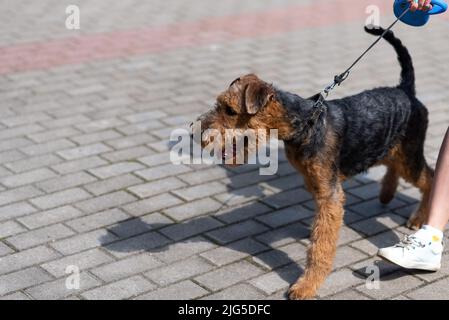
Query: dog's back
x=369, y=124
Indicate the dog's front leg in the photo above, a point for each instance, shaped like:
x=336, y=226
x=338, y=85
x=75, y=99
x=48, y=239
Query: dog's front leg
x=328, y=220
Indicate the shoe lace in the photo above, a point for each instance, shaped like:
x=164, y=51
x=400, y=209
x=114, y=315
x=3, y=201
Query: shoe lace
x=410, y=242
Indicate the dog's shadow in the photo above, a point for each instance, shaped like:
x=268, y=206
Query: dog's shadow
x=270, y=233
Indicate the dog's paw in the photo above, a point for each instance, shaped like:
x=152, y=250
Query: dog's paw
x=415, y=222
x=301, y=291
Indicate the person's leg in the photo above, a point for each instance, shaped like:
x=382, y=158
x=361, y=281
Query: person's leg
x=423, y=249
x=439, y=197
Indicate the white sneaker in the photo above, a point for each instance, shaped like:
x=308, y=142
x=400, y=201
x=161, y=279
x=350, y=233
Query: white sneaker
x=421, y=250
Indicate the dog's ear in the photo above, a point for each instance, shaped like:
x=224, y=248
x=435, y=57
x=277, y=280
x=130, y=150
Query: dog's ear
x=257, y=95
x=234, y=82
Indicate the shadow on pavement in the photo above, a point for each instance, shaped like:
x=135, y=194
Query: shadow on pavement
x=270, y=231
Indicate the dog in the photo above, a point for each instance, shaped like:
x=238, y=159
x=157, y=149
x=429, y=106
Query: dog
x=333, y=142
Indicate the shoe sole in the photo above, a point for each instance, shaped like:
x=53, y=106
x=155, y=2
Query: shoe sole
x=419, y=266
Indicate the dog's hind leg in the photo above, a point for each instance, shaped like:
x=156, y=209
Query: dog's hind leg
x=389, y=185
x=411, y=165
x=424, y=184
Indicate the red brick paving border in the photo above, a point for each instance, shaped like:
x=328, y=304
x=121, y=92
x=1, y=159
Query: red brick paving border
x=117, y=44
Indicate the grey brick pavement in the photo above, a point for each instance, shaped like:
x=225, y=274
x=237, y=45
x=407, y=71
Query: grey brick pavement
x=86, y=180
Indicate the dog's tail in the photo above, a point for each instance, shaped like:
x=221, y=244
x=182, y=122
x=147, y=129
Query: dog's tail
x=405, y=60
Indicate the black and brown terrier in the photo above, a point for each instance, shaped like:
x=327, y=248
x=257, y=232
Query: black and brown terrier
x=383, y=126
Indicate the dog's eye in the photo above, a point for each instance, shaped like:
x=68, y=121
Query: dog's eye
x=230, y=112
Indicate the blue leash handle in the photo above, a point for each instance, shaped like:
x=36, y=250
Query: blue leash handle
x=439, y=6
x=419, y=17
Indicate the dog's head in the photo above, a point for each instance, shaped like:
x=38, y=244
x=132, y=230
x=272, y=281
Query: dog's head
x=247, y=107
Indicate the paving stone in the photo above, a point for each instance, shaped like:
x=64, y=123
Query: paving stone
x=366, y=192
x=78, y=165
x=115, y=169
x=47, y=147
x=14, y=143
x=374, y=207
x=19, y=131
x=31, y=163
x=239, y=291
x=97, y=220
x=130, y=141
x=57, y=289
x=193, y=227
x=140, y=243
x=378, y=224
x=233, y=251
x=9, y=228
x=135, y=226
x=185, y=290
x=98, y=136
x=192, y=209
x=281, y=256
x=84, y=151
x=285, y=199
x=112, y=184
x=139, y=208
x=365, y=268
x=66, y=182
x=237, y=231
x=181, y=250
x=40, y=236
x=228, y=275
x=98, y=125
x=284, y=235
x=26, y=258
x=372, y=244
x=178, y=271
x=244, y=195
x=277, y=280
x=200, y=191
x=285, y=216
x=162, y=171
x=347, y=256
x=104, y=202
x=28, y=177
x=126, y=267
x=83, y=260
x=392, y=285
x=139, y=117
x=64, y=122
x=156, y=187
x=60, y=198
x=243, y=212
x=348, y=295
x=83, y=241
x=129, y=154
x=143, y=126
x=55, y=134
x=10, y=157
x=22, y=279
x=434, y=291
x=246, y=179
x=15, y=296
x=15, y=210
x=123, y=289
x=17, y=194
x=196, y=177
x=4, y=249
x=43, y=218
x=339, y=281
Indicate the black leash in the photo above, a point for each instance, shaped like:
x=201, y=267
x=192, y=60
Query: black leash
x=338, y=79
